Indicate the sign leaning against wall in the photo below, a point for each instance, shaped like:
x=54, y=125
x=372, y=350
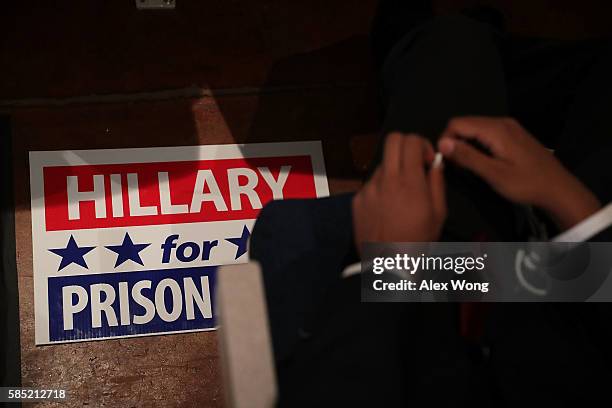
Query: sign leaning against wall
x=126, y=242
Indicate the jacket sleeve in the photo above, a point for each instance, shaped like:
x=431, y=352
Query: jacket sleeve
x=302, y=246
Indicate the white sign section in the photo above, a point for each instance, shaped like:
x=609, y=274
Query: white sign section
x=126, y=242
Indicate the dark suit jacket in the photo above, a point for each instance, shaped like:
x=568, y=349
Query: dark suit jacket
x=330, y=348
x=302, y=246
x=542, y=353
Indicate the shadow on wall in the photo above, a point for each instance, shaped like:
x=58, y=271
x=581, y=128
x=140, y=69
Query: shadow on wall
x=320, y=108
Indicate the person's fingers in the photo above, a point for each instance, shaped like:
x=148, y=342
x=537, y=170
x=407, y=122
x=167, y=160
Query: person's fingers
x=490, y=132
x=429, y=152
x=374, y=185
x=415, y=150
x=392, y=155
x=446, y=146
x=438, y=190
x=466, y=156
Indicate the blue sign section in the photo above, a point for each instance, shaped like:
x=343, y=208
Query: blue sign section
x=131, y=303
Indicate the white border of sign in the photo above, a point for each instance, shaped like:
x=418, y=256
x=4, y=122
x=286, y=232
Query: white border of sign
x=41, y=159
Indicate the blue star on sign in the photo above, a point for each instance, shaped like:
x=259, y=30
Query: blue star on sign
x=127, y=250
x=240, y=242
x=72, y=254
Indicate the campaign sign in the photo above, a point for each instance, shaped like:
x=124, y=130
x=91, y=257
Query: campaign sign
x=126, y=242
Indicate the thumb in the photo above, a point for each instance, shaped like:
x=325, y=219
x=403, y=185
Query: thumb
x=466, y=156
x=437, y=188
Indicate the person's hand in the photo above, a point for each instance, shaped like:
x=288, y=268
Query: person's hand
x=518, y=167
x=402, y=202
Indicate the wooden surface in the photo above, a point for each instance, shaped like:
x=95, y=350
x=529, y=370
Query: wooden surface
x=70, y=48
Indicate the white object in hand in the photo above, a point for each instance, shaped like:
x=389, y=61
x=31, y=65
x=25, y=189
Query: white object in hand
x=437, y=161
